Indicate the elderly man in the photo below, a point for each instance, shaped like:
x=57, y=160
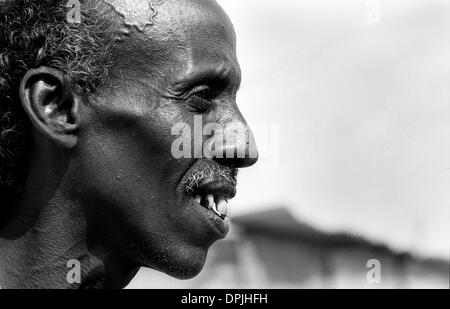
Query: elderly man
x=88, y=103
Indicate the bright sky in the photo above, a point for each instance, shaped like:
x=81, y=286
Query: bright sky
x=361, y=98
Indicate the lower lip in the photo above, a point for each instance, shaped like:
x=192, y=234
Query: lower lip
x=217, y=225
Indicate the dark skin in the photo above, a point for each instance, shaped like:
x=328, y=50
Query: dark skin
x=103, y=186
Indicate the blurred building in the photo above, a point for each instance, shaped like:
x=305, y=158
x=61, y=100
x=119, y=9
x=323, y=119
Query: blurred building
x=271, y=249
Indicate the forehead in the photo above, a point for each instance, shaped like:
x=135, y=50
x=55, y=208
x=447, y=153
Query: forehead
x=190, y=33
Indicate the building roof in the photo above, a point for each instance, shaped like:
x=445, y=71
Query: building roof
x=280, y=223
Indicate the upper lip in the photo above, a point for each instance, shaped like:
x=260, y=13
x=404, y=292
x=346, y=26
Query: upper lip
x=217, y=187
x=220, y=186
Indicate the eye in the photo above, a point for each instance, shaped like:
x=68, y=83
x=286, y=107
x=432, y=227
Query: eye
x=200, y=100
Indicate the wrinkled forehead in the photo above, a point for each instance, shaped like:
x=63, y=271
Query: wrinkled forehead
x=200, y=24
x=196, y=30
x=175, y=20
x=197, y=14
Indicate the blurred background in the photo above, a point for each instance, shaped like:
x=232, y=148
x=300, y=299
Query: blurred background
x=349, y=101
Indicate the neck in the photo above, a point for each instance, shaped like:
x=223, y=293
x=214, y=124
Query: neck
x=39, y=241
x=45, y=242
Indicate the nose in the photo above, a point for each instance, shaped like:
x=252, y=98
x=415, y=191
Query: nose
x=234, y=146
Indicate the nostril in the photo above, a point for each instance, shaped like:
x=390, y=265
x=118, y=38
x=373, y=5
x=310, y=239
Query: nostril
x=233, y=147
x=237, y=156
x=237, y=162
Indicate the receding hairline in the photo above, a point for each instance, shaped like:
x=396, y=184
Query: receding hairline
x=145, y=15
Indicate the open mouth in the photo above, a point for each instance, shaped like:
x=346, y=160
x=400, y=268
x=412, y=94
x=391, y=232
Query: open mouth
x=214, y=194
x=212, y=186
x=217, y=204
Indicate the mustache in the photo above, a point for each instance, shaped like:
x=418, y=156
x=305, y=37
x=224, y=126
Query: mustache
x=217, y=172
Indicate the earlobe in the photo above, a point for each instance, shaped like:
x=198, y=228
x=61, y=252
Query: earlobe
x=52, y=103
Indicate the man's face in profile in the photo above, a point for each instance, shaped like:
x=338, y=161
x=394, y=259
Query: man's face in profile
x=146, y=205
x=90, y=138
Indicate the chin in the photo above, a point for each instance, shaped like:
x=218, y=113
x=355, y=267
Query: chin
x=181, y=263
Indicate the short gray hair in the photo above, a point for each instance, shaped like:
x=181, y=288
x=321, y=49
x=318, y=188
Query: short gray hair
x=34, y=33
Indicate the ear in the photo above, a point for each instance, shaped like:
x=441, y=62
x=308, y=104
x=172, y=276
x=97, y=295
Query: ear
x=52, y=101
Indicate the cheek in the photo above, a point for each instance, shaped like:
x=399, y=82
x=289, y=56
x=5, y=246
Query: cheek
x=133, y=142
x=124, y=167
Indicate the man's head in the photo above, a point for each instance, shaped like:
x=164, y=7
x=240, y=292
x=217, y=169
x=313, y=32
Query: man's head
x=97, y=102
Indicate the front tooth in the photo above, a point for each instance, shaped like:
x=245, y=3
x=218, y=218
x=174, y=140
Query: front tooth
x=215, y=210
x=198, y=198
x=210, y=198
x=222, y=208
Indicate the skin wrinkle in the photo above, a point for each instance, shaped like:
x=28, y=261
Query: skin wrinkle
x=114, y=197
x=194, y=178
x=139, y=17
x=24, y=47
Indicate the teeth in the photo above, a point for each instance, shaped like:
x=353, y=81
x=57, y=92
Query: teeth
x=210, y=198
x=215, y=210
x=218, y=204
x=211, y=203
x=222, y=208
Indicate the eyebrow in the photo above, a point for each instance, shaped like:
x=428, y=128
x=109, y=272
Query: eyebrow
x=218, y=74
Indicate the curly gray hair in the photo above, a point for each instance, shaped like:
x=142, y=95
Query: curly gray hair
x=35, y=33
